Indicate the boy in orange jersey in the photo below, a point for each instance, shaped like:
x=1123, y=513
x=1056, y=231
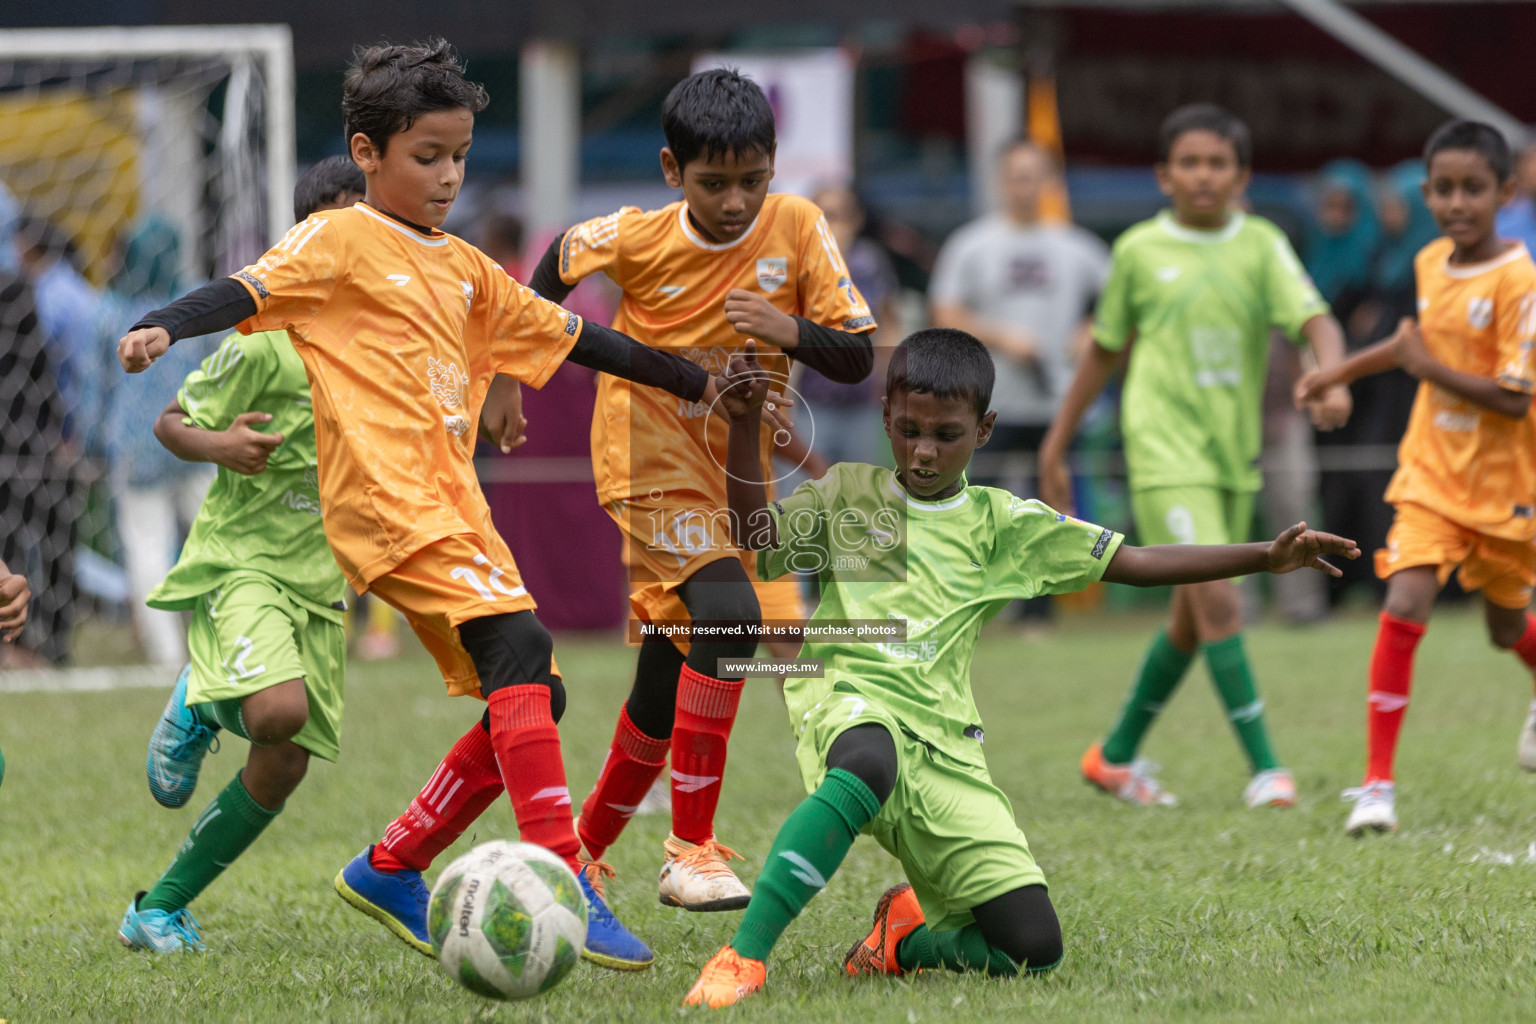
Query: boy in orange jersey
x=1465, y=488
x=401, y=328
x=728, y=258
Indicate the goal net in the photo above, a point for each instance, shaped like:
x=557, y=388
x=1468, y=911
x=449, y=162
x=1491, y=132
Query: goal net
x=132, y=161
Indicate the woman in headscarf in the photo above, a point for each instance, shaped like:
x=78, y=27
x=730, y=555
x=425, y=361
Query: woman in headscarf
x=1343, y=236
x=156, y=494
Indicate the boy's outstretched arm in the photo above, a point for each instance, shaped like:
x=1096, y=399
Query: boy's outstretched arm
x=239, y=447
x=1329, y=409
x=743, y=389
x=1093, y=372
x=15, y=595
x=217, y=306
x=1173, y=564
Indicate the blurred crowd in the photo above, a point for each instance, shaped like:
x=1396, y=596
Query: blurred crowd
x=92, y=509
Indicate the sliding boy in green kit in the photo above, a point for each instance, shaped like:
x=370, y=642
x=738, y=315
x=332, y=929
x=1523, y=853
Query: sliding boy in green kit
x=890, y=738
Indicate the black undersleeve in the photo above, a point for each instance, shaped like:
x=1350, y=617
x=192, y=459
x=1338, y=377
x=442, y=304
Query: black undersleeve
x=216, y=306
x=841, y=356
x=546, y=276
x=608, y=351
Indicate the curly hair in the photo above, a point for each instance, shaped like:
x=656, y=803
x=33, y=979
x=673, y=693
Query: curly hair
x=388, y=87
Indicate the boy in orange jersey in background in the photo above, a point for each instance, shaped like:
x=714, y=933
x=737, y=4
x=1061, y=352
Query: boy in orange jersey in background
x=698, y=277
x=1465, y=488
x=401, y=328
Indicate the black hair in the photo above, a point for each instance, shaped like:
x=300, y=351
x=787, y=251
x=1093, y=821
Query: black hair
x=945, y=363
x=388, y=87
x=1205, y=117
x=1025, y=142
x=716, y=112
x=326, y=182
x=1483, y=139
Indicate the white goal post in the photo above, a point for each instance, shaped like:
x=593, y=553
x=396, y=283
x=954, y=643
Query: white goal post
x=257, y=82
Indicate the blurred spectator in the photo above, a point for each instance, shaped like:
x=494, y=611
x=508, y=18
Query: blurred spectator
x=846, y=417
x=1518, y=219
x=551, y=520
x=1352, y=487
x=1343, y=237
x=34, y=536
x=67, y=310
x=156, y=494
x=1026, y=289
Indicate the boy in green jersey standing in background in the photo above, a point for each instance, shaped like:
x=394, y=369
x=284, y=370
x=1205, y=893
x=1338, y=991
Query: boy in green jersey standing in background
x=1193, y=293
x=889, y=737
x=267, y=643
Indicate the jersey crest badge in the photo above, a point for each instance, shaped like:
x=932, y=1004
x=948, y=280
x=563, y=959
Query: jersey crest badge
x=447, y=381
x=772, y=273
x=1479, y=313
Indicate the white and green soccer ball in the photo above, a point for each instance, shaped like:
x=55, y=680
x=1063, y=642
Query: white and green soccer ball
x=507, y=920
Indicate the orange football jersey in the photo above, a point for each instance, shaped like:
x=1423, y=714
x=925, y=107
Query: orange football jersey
x=674, y=286
x=400, y=333
x=1469, y=464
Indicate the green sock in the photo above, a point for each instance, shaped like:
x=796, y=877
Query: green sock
x=1161, y=669
x=961, y=950
x=221, y=833
x=1245, y=709
x=223, y=714
x=808, y=849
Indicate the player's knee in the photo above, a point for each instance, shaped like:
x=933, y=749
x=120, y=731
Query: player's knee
x=1022, y=924
x=868, y=753
x=277, y=714
x=512, y=649
x=287, y=767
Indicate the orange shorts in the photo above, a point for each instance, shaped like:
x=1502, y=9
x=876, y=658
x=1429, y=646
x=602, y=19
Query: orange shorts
x=1504, y=570
x=448, y=582
x=668, y=540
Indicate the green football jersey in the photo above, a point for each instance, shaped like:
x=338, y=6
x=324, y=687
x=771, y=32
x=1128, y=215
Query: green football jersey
x=1200, y=306
x=945, y=567
x=267, y=525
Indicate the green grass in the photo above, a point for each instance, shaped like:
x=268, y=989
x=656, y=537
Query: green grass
x=1201, y=912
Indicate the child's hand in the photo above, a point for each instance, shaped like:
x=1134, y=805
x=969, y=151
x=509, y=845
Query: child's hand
x=501, y=417
x=139, y=348
x=1301, y=548
x=1055, y=480
x=1309, y=389
x=245, y=450
x=15, y=595
x=1409, y=348
x=743, y=387
x=1331, y=408
x=753, y=314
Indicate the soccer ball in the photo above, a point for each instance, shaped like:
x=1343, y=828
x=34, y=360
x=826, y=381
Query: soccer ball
x=507, y=920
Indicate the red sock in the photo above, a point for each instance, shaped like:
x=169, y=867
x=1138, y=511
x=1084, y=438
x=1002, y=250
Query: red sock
x=464, y=785
x=527, y=748
x=706, y=709
x=1391, y=679
x=1525, y=647
x=633, y=763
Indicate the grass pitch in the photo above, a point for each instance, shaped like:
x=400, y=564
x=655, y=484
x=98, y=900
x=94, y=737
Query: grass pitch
x=1206, y=911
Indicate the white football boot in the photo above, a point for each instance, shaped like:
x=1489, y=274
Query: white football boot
x=696, y=877
x=1526, y=753
x=1274, y=787
x=1375, y=808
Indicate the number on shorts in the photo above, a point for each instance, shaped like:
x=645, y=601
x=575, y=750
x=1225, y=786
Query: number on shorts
x=463, y=572
x=1181, y=524
x=239, y=670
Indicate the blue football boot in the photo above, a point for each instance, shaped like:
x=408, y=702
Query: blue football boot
x=397, y=901
x=609, y=943
x=177, y=747
x=159, y=931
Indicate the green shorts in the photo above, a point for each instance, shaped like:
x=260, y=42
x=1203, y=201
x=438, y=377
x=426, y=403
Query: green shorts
x=1192, y=515
x=950, y=827
x=249, y=635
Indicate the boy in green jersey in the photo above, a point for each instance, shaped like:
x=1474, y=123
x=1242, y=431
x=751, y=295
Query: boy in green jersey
x=267, y=600
x=889, y=735
x=1198, y=288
